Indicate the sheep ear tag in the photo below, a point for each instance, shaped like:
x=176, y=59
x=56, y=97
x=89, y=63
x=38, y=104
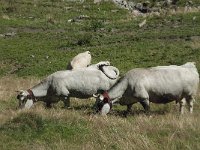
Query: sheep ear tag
x=105, y=109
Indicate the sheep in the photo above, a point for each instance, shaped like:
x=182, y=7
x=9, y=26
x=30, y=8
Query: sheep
x=80, y=83
x=161, y=84
x=81, y=60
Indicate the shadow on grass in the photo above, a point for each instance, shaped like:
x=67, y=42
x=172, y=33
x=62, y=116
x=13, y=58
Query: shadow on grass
x=82, y=107
x=89, y=110
x=138, y=112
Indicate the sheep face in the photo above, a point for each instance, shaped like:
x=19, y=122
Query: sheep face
x=25, y=102
x=103, y=104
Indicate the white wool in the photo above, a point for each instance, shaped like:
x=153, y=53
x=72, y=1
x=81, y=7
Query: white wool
x=105, y=109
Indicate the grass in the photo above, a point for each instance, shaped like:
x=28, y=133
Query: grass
x=44, y=37
x=79, y=128
x=45, y=41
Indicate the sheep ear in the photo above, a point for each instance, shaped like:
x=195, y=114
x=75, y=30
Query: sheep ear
x=96, y=95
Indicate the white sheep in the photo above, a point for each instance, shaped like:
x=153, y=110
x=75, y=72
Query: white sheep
x=80, y=83
x=161, y=84
x=81, y=60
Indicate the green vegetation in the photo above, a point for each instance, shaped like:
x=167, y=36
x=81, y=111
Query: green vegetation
x=45, y=40
x=31, y=128
x=40, y=37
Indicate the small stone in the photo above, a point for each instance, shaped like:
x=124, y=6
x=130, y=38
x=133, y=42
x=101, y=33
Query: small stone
x=2, y=35
x=10, y=34
x=142, y=23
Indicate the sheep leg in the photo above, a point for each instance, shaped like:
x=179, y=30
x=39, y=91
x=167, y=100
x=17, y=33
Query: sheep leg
x=145, y=104
x=48, y=101
x=65, y=97
x=182, y=104
x=129, y=108
x=48, y=104
x=66, y=102
x=143, y=97
x=190, y=101
x=95, y=105
x=49, y=98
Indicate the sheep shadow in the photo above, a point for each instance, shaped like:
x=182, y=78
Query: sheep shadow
x=90, y=110
x=123, y=113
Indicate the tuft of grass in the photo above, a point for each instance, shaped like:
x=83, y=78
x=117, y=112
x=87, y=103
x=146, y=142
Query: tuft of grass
x=28, y=128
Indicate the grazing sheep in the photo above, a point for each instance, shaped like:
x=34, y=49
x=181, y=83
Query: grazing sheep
x=81, y=60
x=81, y=83
x=161, y=84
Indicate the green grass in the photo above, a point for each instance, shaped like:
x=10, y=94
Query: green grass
x=46, y=41
x=29, y=128
x=56, y=128
x=44, y=31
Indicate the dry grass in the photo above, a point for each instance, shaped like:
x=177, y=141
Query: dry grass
x=195, y=44
x=10, y=84
x=138, y=131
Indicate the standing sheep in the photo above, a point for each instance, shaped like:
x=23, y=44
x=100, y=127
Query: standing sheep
x=161, y=84
x=80, y=83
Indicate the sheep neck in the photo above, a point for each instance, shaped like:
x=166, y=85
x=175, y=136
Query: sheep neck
x=118, y=89
x=40, y=90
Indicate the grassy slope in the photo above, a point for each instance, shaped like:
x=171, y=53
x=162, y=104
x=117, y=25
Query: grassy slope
x=42, y=29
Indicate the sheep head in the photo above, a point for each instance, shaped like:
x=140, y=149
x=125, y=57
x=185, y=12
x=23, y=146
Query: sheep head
x=26, y=99
x=103, y=103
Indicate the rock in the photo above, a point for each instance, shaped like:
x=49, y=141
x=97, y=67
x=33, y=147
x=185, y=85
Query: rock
x=67, y=8
x=11, y=34
x=97, y=1
x=2, y=35
x=142, y=23
x=138, y=6
x=143, y=7
x=71, y=20
x=132, y=5
x=174, y=2
x=189, y=3
x=83, y=17
x=114, y=11
x=33, y=56
x=6, y=17
x=167, y=3
x=187, y=8
x=79, y=18
x=137, y=13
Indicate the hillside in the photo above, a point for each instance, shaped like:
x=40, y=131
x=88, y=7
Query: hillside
x=40, y=37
